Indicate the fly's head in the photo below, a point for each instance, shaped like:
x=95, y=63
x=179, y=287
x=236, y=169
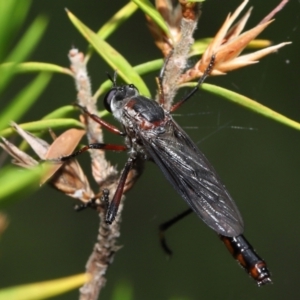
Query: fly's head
x=118, y=96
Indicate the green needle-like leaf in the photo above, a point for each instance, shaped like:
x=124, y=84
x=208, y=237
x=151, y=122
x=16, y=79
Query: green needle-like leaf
x=148, y=8
x=110, y=55
x=141, y=69
x=250, y=104
x=12, y=15
x=28, y=41
x=17, y=181
x=60, y=112
x=45, y=125
x=117, y=20
x=44, y=289
x=24, y=100
x=25, y=46
x=113, y=24
x=28, y=67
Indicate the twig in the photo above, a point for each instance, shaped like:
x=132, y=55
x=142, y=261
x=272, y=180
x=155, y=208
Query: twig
x=178, y=60
x=106, y=176
x=101, y=257
x=101, y=168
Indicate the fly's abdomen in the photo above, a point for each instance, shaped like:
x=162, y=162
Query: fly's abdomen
x=244, y=253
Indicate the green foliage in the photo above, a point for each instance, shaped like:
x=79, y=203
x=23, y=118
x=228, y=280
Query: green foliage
x=44, y=289
x=12, y=16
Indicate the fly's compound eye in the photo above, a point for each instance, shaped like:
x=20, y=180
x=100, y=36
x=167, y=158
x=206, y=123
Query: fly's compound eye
x=108, y=98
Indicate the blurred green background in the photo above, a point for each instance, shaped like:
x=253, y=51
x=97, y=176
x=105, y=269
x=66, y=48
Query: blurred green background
x=257, y=158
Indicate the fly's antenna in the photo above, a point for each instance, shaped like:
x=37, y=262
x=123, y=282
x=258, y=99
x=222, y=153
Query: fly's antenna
x=113, y=79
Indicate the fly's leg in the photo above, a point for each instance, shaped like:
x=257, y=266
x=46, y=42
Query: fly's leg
x=92, y=203
x=115, y=202
x=195, y=89
x=89, y=204
x=99, y=146
x=94, y=146
x=100, y=121
x=159, y=80
x=166, y=225
x=111, y=207
x=105, y=198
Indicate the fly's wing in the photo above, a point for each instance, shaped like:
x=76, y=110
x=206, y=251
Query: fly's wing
x=192, y=176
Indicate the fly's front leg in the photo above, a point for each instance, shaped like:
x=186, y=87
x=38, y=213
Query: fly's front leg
x=115, y=202
x=100, y=121
x=101, y=146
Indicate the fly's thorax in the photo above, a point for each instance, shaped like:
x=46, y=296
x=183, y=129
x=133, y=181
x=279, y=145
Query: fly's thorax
x=141, y=113
x=137, y=114
x=143, y=120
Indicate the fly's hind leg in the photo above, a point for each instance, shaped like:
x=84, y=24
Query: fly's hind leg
x=166, y=225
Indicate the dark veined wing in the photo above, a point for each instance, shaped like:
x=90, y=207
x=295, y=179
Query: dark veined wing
x=193, y=177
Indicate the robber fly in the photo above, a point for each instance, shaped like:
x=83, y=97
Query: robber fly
x=152, y=134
